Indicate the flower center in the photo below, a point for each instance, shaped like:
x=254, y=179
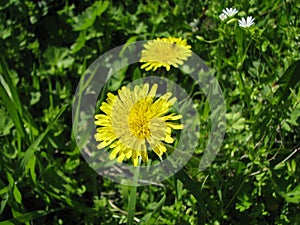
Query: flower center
x=169, y=52
x=139, y=123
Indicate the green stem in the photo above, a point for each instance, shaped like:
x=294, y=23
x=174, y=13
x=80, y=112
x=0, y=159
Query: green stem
x=241, y=79
x=132, y=196
x=50, y=93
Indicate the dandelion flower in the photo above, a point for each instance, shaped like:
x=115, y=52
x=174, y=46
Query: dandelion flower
x=246, y=22
x=134, y=121
x=165, y=52
x=223, y=16
x=230, y=11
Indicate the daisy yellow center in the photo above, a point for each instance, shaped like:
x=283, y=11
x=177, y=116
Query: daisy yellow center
x=139, y=124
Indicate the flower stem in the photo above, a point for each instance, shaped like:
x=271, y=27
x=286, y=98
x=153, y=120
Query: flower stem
x=132, y=196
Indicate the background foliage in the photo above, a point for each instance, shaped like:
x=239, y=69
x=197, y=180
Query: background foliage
x=46, y=46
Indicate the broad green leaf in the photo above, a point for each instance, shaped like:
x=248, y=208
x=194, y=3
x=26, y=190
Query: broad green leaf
x=17, y=194
x=88, y=17
x=292, y=196
x=58, y=57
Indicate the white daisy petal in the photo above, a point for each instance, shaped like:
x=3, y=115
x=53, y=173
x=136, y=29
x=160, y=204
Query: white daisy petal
x=246, y=22
x=230, y=11
x=223, y=16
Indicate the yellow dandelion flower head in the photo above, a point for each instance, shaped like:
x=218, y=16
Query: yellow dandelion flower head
x=165, y=52
x=133, y=121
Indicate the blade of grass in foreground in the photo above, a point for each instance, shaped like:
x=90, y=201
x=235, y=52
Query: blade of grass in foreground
x=33, y=147
x=12, y=110
x=9, y=94
x=4, y=71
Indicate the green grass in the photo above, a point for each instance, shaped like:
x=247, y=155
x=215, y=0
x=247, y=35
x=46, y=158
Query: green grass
x=46, y=48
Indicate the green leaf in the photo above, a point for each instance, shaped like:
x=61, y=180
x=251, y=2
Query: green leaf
x=292, y=196
x=6, y=122
x=264, y=45
x=35, y=97
x=31, y=167
x=80, y=42
x=16, y=110
x=155, y=208
x=244, y=202
x=295, y=114
x=12, y=109
x=58, y=57
x=4, y=199
x=288, y=80
x=239, y=38
x=88, y=17
x=28, y=217
x=16, y=193
x=7, y=77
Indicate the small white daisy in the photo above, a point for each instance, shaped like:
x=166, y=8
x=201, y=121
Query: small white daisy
x=230, y=11
x=194, y=25
x=246, y=22
x=223, y=16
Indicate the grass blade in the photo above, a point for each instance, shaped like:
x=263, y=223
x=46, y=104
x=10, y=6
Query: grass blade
x=33, y=147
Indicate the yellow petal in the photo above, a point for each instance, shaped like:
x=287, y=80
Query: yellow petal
x=175, y=126
x=121, y=157
x=135, y=160
x=144, y=156
x=114, y=153
x=169, y=139
x=106, y=108
x=153, y=90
